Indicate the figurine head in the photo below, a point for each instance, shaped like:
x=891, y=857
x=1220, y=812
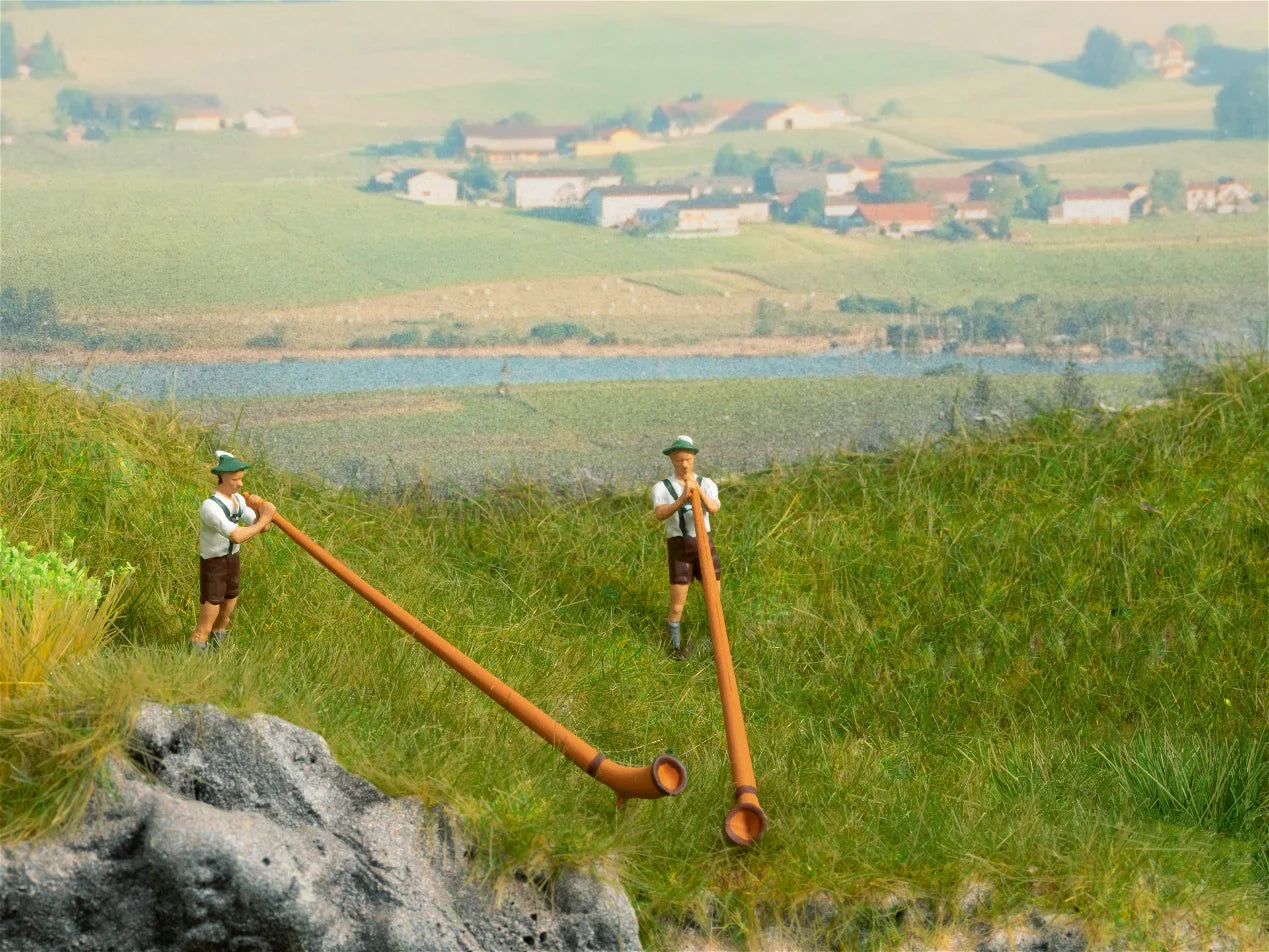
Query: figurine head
x=682, y=453
x=229, y=470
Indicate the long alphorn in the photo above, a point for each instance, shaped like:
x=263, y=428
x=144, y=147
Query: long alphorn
x=745, y=822
x=665, y=777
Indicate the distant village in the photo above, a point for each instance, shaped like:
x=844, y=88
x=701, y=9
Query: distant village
x=848, y=194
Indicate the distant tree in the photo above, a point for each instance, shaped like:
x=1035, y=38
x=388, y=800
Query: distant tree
x=13, y=315
x=767, y=314
x=41, y=309
x=478, y=179
x=1193, y=38
x=1105, y=60
x=890, y=107
x=980, y=399
x=1002, y=230
x=807, y=207
x=454, y=143
x=8, y=51
x=152, y=114
x=76, y=105
x=625, y=166
x=520, y=118
x=875, y=150
x=46, y=59
x=1073, y=391
x=1042, y=194
x=895, y=186
x=997, y=328
x=730, y=162
x=1167, y=189
x=1242, y=106
x=786, y=155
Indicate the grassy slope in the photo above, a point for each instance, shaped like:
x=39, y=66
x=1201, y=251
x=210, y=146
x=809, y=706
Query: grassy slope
x=956, y=662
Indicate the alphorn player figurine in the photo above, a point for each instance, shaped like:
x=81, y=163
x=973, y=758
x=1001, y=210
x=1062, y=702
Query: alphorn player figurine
x=672, y=505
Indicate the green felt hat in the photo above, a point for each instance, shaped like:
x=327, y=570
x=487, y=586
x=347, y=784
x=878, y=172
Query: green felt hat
x=681, y=443
x=228, y=463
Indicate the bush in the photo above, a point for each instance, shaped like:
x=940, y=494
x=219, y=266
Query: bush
x=50, y=611
x=553, y=332
x=272, y=338
x=860, y=304
x=766, y=315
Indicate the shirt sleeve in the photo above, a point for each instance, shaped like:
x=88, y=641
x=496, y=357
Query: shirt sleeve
x=248, y=514
x=709, y=488
x=214, y=518
x=659, y=496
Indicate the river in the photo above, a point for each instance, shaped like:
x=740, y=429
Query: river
x=297, y=377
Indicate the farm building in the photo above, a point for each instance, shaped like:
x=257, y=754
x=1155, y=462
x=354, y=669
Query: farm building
x=1220, y=196
x=515, y=140
x=431, y=187
x=944, y=191
x=272, y=121
x=612, y=141
x=1092, y=206
x=1165, y=57
x=708, y=215
x=614, y=206
x=775, y=117
x=839, y=211
x=198, y=119
x=693, y=115
x=556, y=188
x=899, y=218
x=753, y=208
x=699, y=184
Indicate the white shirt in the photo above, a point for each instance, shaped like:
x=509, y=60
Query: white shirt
x=215, y=526
x=661, y=496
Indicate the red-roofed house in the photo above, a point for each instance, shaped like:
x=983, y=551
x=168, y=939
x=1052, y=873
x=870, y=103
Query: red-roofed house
x=1092, y=206
x=899, y=218
x=693, y=116
x=944, y=191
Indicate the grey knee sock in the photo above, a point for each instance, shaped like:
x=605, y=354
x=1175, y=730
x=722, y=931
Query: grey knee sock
x=673, y=628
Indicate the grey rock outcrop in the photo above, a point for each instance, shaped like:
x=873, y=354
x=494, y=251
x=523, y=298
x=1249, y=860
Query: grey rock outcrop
x=253, y=838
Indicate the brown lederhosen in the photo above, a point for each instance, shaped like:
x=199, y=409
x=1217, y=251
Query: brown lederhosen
x=218, y=578
x=681, y=552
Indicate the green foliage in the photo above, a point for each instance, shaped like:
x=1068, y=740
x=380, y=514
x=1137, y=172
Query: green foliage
x=891, y=107
x=46, y=59
x=553, y=332
x=895, y=186
x=77, y=105
x=730, y=162
x=23, y=575
x=807, y=207
x=8, y=51
x=1193, y=38
x=625, y=166
x=875, y=149
x=1072, y=391
x=949, y=229
x=1167, y=189
x=410, y=337
x=862, y=304
x=1105, y=60
x=767, y=316
x=453, y=143
x=1242, y=105
x=274, y=337
x=478, y=179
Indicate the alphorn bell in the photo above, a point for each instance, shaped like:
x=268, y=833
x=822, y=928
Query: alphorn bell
x=665, y=777
x=745, y=822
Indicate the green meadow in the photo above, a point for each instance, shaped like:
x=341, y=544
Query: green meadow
x=1026, y=660
x=592, y=435
x=151, y=225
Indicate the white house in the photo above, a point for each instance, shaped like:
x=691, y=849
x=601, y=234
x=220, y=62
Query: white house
x=753, y=208
x=432, y=188
x=556, y=188
x=203, y=119
x=615, y=206
x=1092, y=206
x=271, y=121
x=711, y=214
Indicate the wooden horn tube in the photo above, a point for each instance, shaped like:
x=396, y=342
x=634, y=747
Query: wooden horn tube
x=664, y=777
x=745, y=822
